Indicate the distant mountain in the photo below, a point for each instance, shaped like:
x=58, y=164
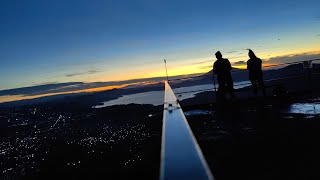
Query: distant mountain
x=78, y=86
x=86, y=99
x=243, y=75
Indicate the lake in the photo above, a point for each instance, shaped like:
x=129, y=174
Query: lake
x=157, y=97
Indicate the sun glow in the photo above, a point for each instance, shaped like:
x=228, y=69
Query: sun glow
x=264, y=65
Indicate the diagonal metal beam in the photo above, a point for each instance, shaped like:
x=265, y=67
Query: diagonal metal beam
x=181, y=156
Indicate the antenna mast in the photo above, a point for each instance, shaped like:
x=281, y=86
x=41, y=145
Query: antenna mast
x=165, y=63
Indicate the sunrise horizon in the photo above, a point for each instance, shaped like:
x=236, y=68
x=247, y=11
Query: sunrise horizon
x=116, y=42
x=159, y=89
x=304, y=56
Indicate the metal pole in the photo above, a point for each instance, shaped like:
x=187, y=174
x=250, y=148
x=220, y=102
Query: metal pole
x=165, y=63
x=214, y=83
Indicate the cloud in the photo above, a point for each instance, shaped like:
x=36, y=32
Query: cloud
x=69, y=87
x=238, y=63
x=318, y=35
x=230, y=52
x=74, y=74
x=295, y=57
x=45, y=83
x=94, y=71
x=236, y=57
x=83, y=73
x=201, y=62
x=206, y=67
x=38, y=89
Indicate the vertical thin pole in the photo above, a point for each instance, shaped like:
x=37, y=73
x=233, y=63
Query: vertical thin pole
x=165, y=63
x=214, y=83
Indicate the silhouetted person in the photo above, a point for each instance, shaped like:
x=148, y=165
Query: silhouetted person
x=254, y=65
x=222, y=68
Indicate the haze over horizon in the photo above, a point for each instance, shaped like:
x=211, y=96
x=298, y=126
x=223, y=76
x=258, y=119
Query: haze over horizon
x=102, y=41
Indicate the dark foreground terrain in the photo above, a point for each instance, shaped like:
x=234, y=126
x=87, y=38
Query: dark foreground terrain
x=61, y=142
x=257, y=139
x=245, y=138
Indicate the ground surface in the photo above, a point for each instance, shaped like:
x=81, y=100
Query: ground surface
x=257, y=139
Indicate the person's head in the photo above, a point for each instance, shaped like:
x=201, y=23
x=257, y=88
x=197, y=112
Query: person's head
x=251, y=54
x=218, y=55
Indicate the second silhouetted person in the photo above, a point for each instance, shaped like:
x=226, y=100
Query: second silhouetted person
x=254, y=65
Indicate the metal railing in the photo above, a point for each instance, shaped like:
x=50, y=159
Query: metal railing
x=181, y=156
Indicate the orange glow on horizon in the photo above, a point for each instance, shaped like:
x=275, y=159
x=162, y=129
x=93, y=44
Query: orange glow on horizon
x=176, y=68
x=173, y=70
x=264, y=65
x=89, y=90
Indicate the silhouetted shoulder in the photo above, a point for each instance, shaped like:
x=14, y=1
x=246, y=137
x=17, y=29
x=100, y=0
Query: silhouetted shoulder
x=259, y=61
x=248, y=63
x=228, y=64
x=216, y=68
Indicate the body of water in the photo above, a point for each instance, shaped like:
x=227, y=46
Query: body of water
x=196, y=112
x=152, y=97
x=157, y=97
x=305, y=108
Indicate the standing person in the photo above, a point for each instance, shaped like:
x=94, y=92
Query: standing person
x=254, y=65
x=222, y=68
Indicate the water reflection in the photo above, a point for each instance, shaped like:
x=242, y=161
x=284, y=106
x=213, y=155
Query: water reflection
x=305, y=108
x=196, y=112
x=152, y=97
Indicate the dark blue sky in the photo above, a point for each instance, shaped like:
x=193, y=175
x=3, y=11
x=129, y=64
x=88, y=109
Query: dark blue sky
x=63, y=40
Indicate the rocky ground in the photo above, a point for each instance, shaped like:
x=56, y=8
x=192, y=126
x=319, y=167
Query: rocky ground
x=257, y=139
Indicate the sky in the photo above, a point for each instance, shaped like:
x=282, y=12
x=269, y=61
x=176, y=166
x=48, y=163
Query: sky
x=58, y=41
